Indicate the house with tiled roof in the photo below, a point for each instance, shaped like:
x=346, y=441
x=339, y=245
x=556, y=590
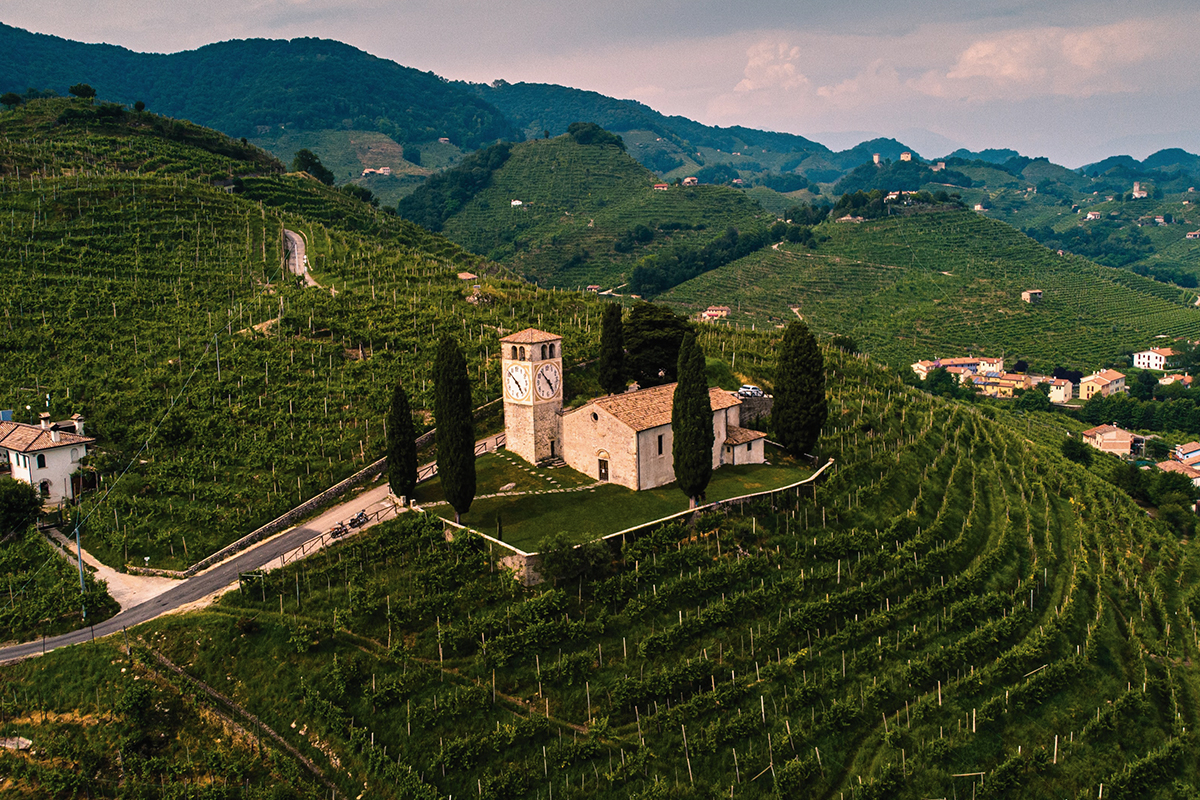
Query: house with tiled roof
x=1192, y=473
x=1110, y=439
x=621, y=438
x=1156, y=358
x=45, y=455
x=1104, y=383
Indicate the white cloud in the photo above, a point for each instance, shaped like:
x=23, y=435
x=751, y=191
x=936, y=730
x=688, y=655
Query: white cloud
x=772, y=65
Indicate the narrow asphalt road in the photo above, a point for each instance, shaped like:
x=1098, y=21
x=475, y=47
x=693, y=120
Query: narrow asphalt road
x=297, y=261
x=219, y=576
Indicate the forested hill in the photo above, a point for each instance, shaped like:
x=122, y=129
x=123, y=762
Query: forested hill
x=538, y=107
x=573, y=210
x=240, y=86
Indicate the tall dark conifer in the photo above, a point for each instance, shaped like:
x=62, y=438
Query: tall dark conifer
x=401, y=446
x=799, y=409
x=612, y=350
x=692, y=422
x=455, y=427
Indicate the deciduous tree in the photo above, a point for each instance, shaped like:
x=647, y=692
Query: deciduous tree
x=455, y=427
x=612, y=350
x=692, y=423
x=82, y=90
x=653, y=335
x=799, y=409
x=308, y=161
x=401, y=445
x=19, y=505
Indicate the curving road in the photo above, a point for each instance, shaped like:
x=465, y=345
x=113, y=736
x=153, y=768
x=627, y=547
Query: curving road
x=297, y=260
x=213, y=579
x=374, y=501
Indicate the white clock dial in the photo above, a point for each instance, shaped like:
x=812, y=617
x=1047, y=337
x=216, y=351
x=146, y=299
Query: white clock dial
x=548, y=381
x=516, y=382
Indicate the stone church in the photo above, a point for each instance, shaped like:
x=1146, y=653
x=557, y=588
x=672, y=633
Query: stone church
x=622, y=438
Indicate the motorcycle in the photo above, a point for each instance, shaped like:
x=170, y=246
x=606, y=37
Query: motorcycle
x=339, y=530
x=359, y=520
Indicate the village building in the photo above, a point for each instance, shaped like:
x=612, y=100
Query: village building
x=1106, y=382
x=1061, y=390
x=1000, y=384
x=1110, y=439
x=1138, y=192
x=1193, y=235
x=1187, y=453
x=715, y=312
x=1191, y=473
x=972, y=364
x=623, y=438
x=662, y=187
x=46, y=456
x=1093, y=215
x=691, y=181
x=906, y=156
x=1167, y=380
x=1156, y=358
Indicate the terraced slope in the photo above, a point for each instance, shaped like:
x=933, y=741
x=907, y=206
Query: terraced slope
x=126, y=270
x=948, y=283
x=956, y=611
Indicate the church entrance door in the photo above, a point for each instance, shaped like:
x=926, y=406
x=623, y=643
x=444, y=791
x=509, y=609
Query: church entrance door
x=603, y=470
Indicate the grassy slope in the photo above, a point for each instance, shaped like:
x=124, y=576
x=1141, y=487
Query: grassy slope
x=952, y=599
x=577, y=200
x=883, y=283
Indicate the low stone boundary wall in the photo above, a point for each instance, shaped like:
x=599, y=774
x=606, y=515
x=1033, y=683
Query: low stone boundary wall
x=525, y=565
x=278, y=524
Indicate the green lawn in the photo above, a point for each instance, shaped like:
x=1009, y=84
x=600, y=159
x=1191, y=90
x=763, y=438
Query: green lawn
x=591, y=512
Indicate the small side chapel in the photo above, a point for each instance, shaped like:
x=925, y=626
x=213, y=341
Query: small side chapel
x=622, y=438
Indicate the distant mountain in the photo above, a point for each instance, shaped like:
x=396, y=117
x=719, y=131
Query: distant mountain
x=991, y=156
x=1170, y=160
x=248, y=87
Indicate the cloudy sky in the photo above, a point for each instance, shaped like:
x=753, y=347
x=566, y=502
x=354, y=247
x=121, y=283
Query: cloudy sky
x=1074, y=80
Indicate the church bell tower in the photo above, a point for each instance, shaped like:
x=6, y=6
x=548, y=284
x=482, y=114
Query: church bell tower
x=531, y=365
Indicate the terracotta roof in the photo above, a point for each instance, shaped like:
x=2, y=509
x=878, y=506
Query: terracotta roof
x=736, y=435
x=24, y=438
x=1165, y=352
x=1175, y=466
x=530, y=336
x=650, y=408
x=1100, y=430
x=1104, y=376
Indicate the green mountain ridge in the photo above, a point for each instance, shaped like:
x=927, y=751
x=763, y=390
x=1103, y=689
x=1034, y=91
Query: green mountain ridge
x=568, y=215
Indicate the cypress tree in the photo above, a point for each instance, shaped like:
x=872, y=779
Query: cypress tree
x=692, y=422
x=455, y=427
x=401, y=446
x=612, y=350
x=799, y=411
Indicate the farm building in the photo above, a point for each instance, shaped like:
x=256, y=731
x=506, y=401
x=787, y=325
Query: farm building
x=1032, y=295
x=1105, y=382
x=1110, y=439
x=1156, y=358
x=46, y=455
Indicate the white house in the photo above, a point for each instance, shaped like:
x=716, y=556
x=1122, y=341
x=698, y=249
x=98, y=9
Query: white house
x=46, y=455
x=1156, y=358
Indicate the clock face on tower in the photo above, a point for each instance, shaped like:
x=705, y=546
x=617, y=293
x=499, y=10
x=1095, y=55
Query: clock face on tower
x=516, y=382
x=548, y=381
